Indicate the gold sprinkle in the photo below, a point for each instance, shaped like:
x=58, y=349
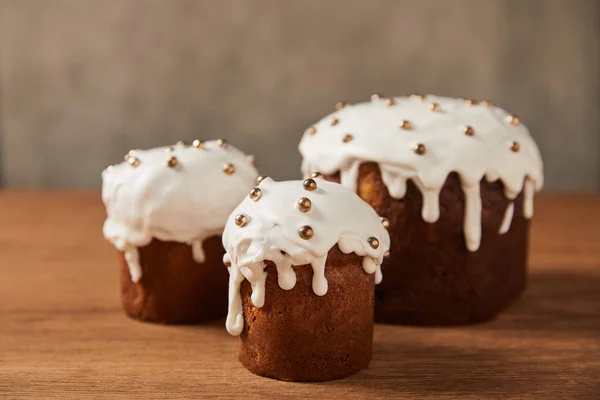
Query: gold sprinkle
x=222, y=143
x=316, y=175
x=134, y=162
x=241, y=220
x=181, y=143
x=310, y=184
x=417, y=97
x=376, y=96
x=471, y=102
x=420, y=149
x=311, y=131
x=386, y=254
x=340, y=104
x=486, y=103
x=514, y=120
x=255, y=194
x=261, y=178
x=468, y=130
x=347, y=138
x=110, y=167
x=227, y=263
x=334, y=121
x=373, y=242
x=390, y=102
x=171, y=161
x=304, y=204
x=385, y=222
x=435, y=107
x=229, y=168
x=406, y=125
x=253, y=162
x=199, y=144
x=131, y=153
x=515, y=146
x=306, y=232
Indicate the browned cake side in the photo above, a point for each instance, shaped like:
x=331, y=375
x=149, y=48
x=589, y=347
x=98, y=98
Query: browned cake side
x=174, y=289
x=431, y=278
x=299, y=336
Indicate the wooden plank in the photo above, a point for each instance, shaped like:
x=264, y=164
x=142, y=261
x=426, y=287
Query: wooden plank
x=63, y=335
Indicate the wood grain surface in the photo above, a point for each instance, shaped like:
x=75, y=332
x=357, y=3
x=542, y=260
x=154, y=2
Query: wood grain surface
x=63, y=335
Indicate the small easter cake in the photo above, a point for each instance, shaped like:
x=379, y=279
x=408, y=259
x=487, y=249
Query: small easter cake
x=166, y=209
x=303, y=258
x=456, y=180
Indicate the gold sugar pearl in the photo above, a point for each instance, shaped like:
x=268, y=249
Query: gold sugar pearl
x=261, y=178
x=306, y=232
x=385, y=222
x=347, y=138
x=227, y=263
x=417, y=97
x=486, y=103
x=229, y=168
x=310, y=184
x=311, y=131
x=334, y=121
x=376, y=96
x=386, y=254
x=468, y=130
x=515, y=146
x=255, y=194
x=373, y=242
x=241, y=220
x=222, y=143
x=316, y=175
x=253, y=162
x=420, y=149
x=181, y=143
x=199, y=144
x=513, y=120
x=171, y=161
x=435, y=107
x=471, y=102
x=131, y=153
x=340, y=104
x=406, y=125
x=390, y=102
x=304, y=204
x=133, y=161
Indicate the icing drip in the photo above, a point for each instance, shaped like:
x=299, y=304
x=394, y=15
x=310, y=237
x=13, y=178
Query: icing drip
x=507, y=219
x=336, y=216
x=427, y=150
x=185, y=202
x=472, y=222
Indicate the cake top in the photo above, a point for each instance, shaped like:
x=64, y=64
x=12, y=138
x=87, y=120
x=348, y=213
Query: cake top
x=181, y=193
x=297, y=223
x=425, y=138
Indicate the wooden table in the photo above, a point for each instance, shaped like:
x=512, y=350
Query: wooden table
x=63, y=335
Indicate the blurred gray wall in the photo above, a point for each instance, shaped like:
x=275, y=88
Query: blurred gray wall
x=83, y=81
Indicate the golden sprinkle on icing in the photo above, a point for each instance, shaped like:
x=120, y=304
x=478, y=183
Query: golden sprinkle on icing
x=310, y=184
x=385, y=222
x=199, y=144
x=406, y=125
x=376, y=96
x=468, y=130
x=222, y=143
x=373, y=242
x=417, y=97
x=181, y=143
x=229, y=168
x=435, y=107
x=386, y=254
x=255, y=194
x=241, y=220
x=486, y=103
x=171, y=161
x=420, y=149
x=347, y=138
x=304, y=204
x=316, y=175
x=340, y=104
x=311, y=131
x=334, y=121
x=471, y=102
x=306, y=232
x=133, y=161
x=261, y=178
x=513, y=120
x=515, y=146
x=390, y=102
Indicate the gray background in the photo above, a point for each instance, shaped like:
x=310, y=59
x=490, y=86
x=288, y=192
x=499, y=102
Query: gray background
x=83, y=81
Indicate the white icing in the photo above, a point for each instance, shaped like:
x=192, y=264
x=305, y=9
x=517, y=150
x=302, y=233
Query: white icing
x=337, y=216
x=507, y=219
x=187, y=203
x=377, y=137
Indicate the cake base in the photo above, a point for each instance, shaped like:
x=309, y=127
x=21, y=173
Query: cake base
x=175, y=289
x=299, y=336
x=431, y=278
